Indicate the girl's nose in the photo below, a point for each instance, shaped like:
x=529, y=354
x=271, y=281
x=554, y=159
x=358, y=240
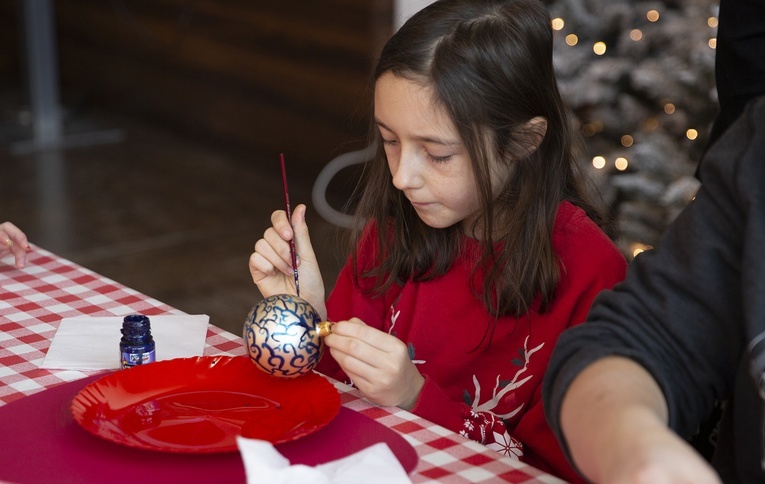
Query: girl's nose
x=405, y=171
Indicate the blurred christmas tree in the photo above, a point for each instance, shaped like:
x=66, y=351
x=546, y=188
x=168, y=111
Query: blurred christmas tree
x=639, y=77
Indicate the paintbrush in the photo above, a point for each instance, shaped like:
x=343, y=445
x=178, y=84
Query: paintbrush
x=293, y=253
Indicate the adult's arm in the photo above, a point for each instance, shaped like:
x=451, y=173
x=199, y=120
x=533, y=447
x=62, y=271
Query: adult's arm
x=683, y=310
x=614, y=418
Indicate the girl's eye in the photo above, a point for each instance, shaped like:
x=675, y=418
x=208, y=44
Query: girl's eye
x=439, y=159
x=389, y=142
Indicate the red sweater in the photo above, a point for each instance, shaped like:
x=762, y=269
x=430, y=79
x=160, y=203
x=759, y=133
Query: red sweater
x=488, y=394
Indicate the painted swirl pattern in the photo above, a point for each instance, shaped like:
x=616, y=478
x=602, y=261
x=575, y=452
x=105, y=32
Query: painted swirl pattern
x=281, y=335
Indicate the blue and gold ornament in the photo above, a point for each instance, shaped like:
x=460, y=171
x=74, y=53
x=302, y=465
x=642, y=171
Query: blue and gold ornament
x=283, y=336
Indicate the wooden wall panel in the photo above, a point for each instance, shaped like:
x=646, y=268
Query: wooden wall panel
x=262, y=76
x=10, y=51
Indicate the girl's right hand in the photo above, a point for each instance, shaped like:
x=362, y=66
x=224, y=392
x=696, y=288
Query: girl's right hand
x=271, y=263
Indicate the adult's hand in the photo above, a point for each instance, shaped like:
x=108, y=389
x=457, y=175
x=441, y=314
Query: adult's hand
x=14, y=241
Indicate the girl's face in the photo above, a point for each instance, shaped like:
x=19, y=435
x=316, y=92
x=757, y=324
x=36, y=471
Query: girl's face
x=426, y=157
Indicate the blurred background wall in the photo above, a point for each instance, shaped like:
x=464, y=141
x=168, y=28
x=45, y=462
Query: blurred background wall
x=196, y=99
x=263, y=77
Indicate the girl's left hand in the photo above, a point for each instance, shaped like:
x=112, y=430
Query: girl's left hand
x=376, y=362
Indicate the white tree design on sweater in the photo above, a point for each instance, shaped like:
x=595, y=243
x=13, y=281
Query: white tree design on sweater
x=490, y=427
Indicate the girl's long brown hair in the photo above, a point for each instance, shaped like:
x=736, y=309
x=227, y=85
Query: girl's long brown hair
x=489, y=63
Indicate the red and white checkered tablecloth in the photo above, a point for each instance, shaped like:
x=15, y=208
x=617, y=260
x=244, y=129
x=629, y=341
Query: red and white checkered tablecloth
x=33, y=301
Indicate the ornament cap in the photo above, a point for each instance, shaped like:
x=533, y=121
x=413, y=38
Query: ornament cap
x=324, y=328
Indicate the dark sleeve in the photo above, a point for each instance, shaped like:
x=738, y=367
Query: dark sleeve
x=680, y=311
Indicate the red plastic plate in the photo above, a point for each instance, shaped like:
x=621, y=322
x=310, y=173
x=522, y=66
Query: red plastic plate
x=200, y=405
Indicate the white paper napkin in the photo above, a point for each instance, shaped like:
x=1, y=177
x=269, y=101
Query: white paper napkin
x=93, y=343
x=374, y=465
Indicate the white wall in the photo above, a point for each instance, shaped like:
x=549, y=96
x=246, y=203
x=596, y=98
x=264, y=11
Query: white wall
x=403, y=9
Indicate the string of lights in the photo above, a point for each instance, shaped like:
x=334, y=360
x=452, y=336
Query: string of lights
x=640, y=79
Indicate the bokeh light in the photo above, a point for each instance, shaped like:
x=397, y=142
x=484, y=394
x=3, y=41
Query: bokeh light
x=651, y=124
x=638, y=248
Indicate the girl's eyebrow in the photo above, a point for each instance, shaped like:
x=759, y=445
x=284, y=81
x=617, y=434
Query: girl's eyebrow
x=426, y=139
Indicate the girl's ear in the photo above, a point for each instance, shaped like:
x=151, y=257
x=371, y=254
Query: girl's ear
x=531, y=135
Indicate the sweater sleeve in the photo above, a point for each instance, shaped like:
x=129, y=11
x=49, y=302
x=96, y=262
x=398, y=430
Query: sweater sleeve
x=351, y=297
x=339, y=307
x=347, y=301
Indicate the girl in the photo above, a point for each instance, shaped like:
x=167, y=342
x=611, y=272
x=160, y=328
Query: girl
x=480, y=243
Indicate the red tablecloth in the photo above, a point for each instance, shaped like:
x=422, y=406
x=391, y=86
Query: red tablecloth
x=33, y=301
